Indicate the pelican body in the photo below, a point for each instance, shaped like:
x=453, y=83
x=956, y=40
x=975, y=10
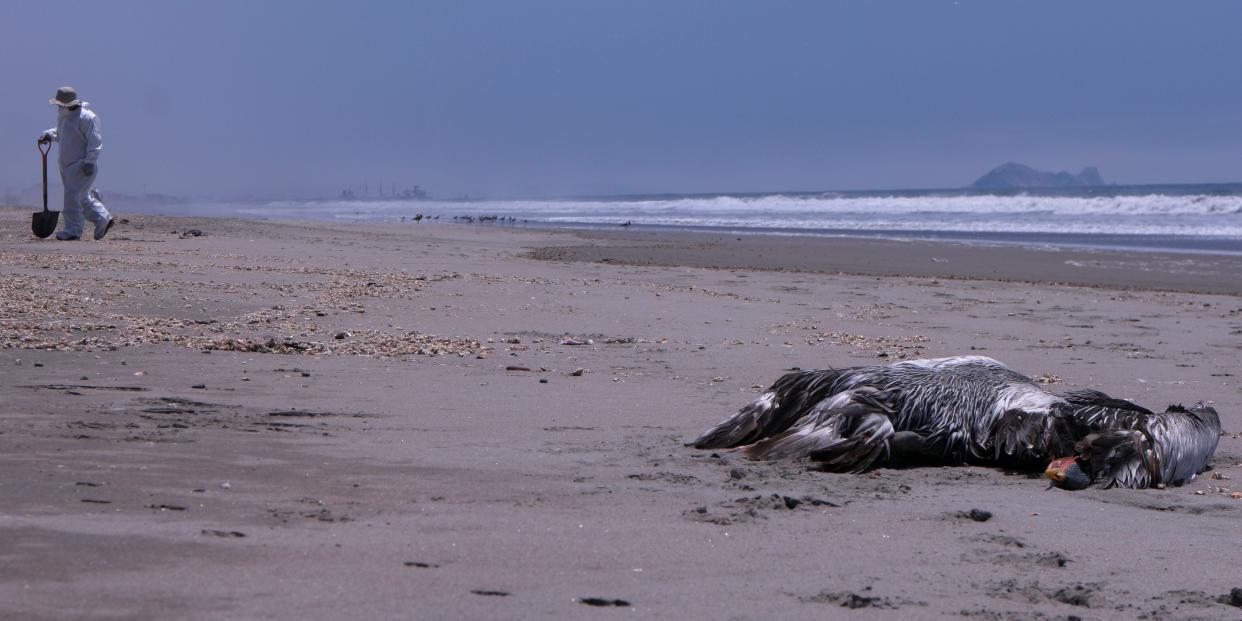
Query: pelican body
x=968, y=409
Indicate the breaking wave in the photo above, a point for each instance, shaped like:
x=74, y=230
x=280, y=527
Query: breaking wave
x=1204, y=215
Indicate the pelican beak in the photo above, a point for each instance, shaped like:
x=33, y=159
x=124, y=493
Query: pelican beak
x=1056, y=468
x=1066, y=473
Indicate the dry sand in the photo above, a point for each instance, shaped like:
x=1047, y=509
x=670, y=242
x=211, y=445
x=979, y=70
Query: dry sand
x=495, y=436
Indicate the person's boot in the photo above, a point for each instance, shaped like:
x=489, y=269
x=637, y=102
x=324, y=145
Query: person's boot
x=102, y=228
x=63, y=236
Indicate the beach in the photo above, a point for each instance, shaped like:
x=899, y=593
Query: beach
x=225, y=418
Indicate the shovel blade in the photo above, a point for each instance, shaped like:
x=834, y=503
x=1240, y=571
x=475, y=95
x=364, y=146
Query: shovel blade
x=43, y=223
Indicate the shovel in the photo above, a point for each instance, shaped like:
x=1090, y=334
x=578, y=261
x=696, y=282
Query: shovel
x=43, y=223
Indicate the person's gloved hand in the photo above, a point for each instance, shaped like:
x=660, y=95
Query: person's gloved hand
x=88, y=169
x=45, y=138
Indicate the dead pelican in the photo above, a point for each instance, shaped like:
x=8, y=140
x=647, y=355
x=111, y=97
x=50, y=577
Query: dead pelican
x=968, y=409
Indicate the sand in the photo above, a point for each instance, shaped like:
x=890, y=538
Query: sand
x=314, y=420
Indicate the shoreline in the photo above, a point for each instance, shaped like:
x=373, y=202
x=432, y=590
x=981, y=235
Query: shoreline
x=1200, y=271
x=1103, y=268
x=1191, y=245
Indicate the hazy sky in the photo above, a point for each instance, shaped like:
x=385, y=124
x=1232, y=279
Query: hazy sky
x=509, y=97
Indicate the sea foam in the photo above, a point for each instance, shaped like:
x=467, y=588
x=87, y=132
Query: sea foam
x=1205, y=215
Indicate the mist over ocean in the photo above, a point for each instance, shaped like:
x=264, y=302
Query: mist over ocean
x=1205, y=218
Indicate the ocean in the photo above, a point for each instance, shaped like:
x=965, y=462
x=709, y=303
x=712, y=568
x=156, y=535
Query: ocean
x=1179, y=218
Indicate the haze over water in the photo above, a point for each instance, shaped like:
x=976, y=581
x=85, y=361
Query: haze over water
x=233, y=99
x=700, y=113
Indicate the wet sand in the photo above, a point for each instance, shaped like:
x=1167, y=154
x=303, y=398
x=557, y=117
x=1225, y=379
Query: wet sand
x=311, y=420
x=1118, y=269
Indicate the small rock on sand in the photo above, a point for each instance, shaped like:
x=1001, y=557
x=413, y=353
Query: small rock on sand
x=1234, y=598
x=978, y=515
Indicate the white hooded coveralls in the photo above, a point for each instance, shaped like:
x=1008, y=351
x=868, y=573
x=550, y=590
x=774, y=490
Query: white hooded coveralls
x=77, y=131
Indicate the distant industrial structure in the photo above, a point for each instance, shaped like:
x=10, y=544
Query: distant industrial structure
x=410, y=194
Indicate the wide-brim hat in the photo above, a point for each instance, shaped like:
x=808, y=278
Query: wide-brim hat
x=66, y=97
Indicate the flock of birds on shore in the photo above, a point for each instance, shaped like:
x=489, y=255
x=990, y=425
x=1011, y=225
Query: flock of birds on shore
x=968, y=410
x=418, y=217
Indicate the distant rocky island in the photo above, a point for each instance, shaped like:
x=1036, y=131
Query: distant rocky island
x=1012, y=176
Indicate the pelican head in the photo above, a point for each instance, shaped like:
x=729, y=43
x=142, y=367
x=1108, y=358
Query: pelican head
x=1065, y=473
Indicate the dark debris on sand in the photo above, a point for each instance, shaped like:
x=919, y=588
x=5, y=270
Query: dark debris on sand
x=1084, y=594
x=853, y=601
x=750, y=508
x=603, y=602
x=978, y=515
x=1234, y=598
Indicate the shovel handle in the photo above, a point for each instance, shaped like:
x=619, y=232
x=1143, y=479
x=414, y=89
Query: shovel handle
x=44, y=152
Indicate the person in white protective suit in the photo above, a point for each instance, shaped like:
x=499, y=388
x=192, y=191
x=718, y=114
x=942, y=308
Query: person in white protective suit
x=77, y=131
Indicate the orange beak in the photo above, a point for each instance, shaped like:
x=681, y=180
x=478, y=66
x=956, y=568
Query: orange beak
x=1057, y=467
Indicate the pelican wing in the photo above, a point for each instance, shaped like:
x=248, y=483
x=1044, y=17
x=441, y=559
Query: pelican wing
x=1117, y=458
x=1022, y=437
x=788, y=400
x=1097, y=411
x=848, y=432
x=866, y=445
